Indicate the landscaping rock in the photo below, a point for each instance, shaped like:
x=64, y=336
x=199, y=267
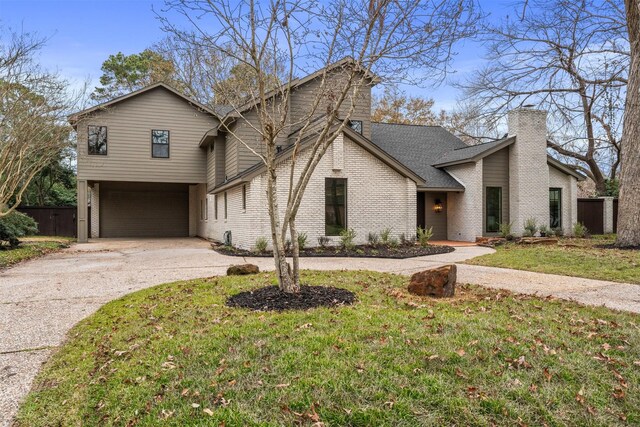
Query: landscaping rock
x=242, y=269
x=438, y=282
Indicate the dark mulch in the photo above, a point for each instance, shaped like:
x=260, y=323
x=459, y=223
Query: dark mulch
x=613, y=246
x=363, y=251
x=271, y=298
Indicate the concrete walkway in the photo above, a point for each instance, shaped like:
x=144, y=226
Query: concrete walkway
x=42, y=299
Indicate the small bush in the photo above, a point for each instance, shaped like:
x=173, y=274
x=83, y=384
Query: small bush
x=424, y=234
x=530, y=226
x=403, y=239
x=14, y=226
x=558, y=231
x=346, y=238
x=384, y=236
x=323, y=241
x=544, y=230
x=373, y=239
x=287, y=245
x=393, y=242
x=302, y=240
x=261, y=244
x=505, y=230
x=527, y=233
x=579, y=230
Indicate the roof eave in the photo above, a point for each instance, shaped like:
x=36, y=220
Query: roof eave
x=504, y=143
x=565, y=168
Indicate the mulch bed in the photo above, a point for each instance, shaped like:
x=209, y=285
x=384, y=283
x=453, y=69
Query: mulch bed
x=363, y=251
x=612, y=246
x=271, y=298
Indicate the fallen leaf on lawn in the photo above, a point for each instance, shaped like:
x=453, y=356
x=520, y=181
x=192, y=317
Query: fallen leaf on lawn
x=166, y=414
x=208, y=412
x=195, y=405
x=460, y=373
x=283, y=385
x=461, y=352
x=433, y=356
x=184, y=392
x=580, y=396
x=606, y=346
x=618, y=393
x=547, y=374
x=591, y=410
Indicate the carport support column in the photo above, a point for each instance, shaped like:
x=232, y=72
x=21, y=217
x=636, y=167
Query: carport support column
x=193, y=210
x=95, y=211
x=607, y=212
x=82, y=220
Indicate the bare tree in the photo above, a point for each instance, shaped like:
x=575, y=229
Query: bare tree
x=629, y=209
x=396, y=40
x=33, y=109
x=568, y=57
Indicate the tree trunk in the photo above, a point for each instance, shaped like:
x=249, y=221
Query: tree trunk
x=629, y=207
x=283, y=269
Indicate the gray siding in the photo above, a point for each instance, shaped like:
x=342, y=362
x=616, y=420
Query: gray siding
x=495, y=173
x=436, y=220
x=135, y=209
x=129, y=126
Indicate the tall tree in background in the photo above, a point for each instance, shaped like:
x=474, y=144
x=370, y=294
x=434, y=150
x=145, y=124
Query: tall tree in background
x=34, y=105
x=392, y=39
x=122, y=74
x=629, y=208
x=568, y=57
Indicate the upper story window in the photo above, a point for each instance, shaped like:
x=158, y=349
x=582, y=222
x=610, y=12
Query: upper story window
x=97, y=137
x=356, y=125
x=160, y=143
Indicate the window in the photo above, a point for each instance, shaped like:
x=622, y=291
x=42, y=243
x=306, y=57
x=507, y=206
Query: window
x=244, y=197
x=97, y=137
x=335, y=205
x=204, y=209
x=215, y=206
x=356, y=125
x=555, y=207
x=160, y=144
x=225, y=205
x=493, y=209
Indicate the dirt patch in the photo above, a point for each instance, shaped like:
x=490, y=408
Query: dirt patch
x=271, y=298
x=612, y=246
x=363, y=251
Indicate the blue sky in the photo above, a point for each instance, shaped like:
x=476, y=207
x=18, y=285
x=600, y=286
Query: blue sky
x=83, y=33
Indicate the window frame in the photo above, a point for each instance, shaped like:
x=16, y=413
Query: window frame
x=215, y=207
x=106, y=145
x=559, y=190
x=244, y=197
x=345, y=226
x=486, y=209
x=225, y=205
x=168, y=144
x=351, y=122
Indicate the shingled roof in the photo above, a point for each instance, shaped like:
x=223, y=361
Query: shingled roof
x=472, y=153
x=419, y=147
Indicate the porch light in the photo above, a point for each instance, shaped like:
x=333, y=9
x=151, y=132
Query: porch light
x=437, y=207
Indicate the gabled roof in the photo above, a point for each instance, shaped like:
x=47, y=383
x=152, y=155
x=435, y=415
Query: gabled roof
x=73, y=119
x=472, y=153
x=389, y=160
x=419, y=147
x=569, y=170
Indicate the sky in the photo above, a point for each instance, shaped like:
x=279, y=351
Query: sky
x=83, y=33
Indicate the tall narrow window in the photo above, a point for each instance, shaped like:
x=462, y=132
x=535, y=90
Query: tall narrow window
x=555, y=207
x=493, y=209
x=335, y=205
x=215, y=206
x=97, y=140
x=244, y=197
x=160, y=144
x=225, y=205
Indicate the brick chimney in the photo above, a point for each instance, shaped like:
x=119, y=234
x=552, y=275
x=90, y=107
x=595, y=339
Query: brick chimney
x=528, y=170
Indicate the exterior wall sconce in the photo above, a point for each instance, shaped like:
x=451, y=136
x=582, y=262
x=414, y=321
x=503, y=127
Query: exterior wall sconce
x=437, y=207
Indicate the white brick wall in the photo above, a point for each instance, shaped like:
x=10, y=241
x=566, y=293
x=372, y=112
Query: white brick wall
x=95, y=211
x=464, y=210
x=568, y=184
x=607, y=213
x=377, y=197
x=528, y=171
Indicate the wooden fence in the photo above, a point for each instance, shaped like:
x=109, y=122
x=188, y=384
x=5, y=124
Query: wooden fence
x=599, y=215
x=53, y=220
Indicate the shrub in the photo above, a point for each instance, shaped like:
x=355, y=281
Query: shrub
x=373, y=239
x=403, y=239
x=14, y=226
x=261, y=244
x=393, y=242
x=287, y=245
x=505, y=230
x=384, y=236
x=558, y=231
x=544, y=230
x=579, y=230
x=424, y=234
x=527, y=233
x=530, y=225
x=346, y=238
x=323, y=241
x=302, y=240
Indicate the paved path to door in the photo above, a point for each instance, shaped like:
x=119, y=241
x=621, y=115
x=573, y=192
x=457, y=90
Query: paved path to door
x=41, y=300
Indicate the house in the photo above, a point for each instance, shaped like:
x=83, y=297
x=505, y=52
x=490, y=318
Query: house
x=155, y=163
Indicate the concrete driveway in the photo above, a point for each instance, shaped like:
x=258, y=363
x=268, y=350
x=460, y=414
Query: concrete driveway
x=42, y=299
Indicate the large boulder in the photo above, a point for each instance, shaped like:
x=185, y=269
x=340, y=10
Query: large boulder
x=438, y=282
x=242, y=269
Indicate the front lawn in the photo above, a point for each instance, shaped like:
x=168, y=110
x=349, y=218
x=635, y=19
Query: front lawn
x=176, y=355
x=31, y=247
x=571, y=257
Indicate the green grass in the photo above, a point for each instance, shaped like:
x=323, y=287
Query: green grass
x=572, y=257
x=176, y=355
x=31, y=247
